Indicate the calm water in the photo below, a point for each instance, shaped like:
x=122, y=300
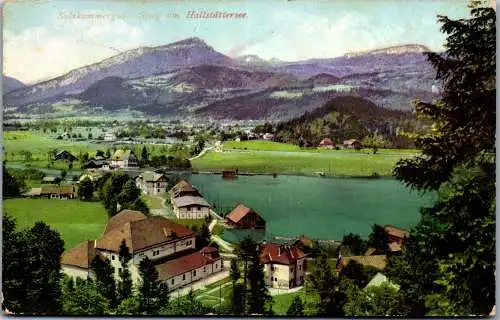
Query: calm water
x=319, y=207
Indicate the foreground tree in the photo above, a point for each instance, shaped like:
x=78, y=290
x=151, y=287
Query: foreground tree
x=258, y=294
x=372, y=301
x=125, y=284
x=10, y=185
x=86, y=189
x=104, y=279
x=31, y=272
x=153, y=293
x=296, y=308
x=457, y=235
x=323, y=284
x=84, y=299
x=186, y=305
x=234, y=271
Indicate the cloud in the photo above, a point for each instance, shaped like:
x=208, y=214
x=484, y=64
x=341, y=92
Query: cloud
x=51, y=50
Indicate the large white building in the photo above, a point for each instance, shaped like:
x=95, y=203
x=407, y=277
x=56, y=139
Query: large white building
x=154, y=237
x=187, y=202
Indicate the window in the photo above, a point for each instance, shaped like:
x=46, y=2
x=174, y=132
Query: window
x=172, y=281
x=141, y=254
x=204, y=269
x=194, y=273
x=301, y=278
x=119, y=269
x=199, y=208
x=300, y=267
x=272, y=268
x=291, y=270
x=216, y=266
x=112, y=257
x=183, y=277
x=275, y=279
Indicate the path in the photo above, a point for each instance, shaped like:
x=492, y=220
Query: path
x=201, y=153
x=212, y=225
x=226, y=245
x=277, y=292
x=216, y=215
x=200, y=284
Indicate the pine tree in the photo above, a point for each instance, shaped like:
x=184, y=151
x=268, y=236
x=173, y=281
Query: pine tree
x=125, y=282
x=105, y=281
x=237, y=299
x=457, y=235
x=258, y=294
x=296, y=308
x=324, y=284
x=144, y=155
x=234, y=271
x=85, y=299
x=153, y=293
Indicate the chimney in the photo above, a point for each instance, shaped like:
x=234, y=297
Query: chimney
x=95, y=243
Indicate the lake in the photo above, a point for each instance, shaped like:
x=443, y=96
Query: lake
x=322, y=208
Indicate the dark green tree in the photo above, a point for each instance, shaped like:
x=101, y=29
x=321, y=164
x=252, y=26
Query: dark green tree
x=355, y=271
x=104, y=278
x=237, y=299
x=10, y=185
x=378, y=238
x=258, y=294
x=130, y=307
x=153, y=293
x=373, y=301
x=456, y=236
x=86, y=189
x=296, y=308
x=85, y=299
x=234, y=271
x=144, y=155
x=323, y=283
x=186, y=305
x=356, y=245
x=129, y=193
x=124, y=287
x=203, y=237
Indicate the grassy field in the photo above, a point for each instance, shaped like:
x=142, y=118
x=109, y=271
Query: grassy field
x=155, y=202
x=332, y=163
x=190, y=222
x=211, y=294
x=263, y=145
x=75, y=220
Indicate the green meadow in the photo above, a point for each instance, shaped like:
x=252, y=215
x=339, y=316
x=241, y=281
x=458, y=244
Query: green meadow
x=75, y=220
x=331, y=163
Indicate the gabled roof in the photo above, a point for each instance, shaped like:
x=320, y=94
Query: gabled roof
x=396, y=232
x=81, y=255
x=282, y=254
x=122, y=218
x=143, y=233
x=56, y=189
x=326, y=142
x=183, y=186
x=239, y=212
x=376, y=261
x=151, y=176
x=351, y=141
x=187, y=263
x=379, y=279
x=190, y=201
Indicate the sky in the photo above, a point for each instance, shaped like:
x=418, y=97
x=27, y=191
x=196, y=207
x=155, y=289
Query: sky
x=45, y=39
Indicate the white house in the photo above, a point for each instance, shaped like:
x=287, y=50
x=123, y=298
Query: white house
x=153, y=237
x=124, y=159
x=151, y=182
x=109, y=136
x=284, y=265
x=190, y=207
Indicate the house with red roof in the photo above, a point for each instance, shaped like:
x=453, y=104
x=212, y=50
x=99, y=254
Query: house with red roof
x=284, y=265
x=327, y=143
x=169, y=245
x=243, y=217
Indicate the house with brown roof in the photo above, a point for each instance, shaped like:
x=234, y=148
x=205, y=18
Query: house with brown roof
x=124, y=159
x=190, y=207
x=158, y=238
x=284, y=265
x=378, y=262
x=52, y=192
x=243, y=217
x=396, y=235
x=352, y=144
x=183, y=188
x=151, y=182
x=327, y=143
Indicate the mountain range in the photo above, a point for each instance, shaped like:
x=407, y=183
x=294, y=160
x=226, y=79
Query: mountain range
x=189, y=78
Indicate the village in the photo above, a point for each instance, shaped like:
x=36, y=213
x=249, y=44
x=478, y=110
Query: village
x=172, y=246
